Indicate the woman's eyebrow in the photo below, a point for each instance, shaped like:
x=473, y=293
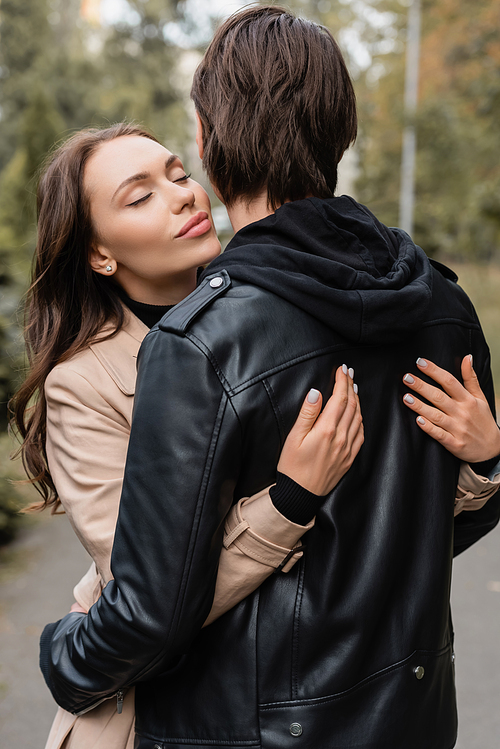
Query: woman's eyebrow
x=142, y=175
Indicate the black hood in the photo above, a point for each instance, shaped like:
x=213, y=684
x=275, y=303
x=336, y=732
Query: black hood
x=335, y=260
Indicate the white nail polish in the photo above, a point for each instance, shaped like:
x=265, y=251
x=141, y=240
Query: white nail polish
x=344, y=368
x=421, y=420
x=409, y=379
x=351, y=373
x=355, y=387
x=313, y=396
x=471, y=360
x=409, y=399
x=421, y=363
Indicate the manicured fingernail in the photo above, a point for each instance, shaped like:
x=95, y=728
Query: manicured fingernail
x=420, y=420
x=344, y=368
x=409, y=399
x=313, y=396
x=351, y=373
x=471, y=360
x=355, y=388
x=409, y=379
x=421, y=363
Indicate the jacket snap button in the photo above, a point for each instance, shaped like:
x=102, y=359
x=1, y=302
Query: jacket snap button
x=419, y=672
x=216, y=282
x=296, y=729
x=157, y=746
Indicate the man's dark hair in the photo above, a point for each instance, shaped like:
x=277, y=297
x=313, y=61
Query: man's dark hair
x=277, y=106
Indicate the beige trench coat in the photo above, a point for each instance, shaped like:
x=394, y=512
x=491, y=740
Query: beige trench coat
x=89, y=412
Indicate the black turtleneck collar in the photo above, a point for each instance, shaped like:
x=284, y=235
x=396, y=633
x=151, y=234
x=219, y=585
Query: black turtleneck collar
x=149, y=314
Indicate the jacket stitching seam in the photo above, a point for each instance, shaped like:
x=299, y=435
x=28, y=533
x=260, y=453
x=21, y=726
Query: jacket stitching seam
x=286, y=365
x=200, y=506
x=212, y=359
x=218, y=371
x=215, y=742
x=276, y=409
x=332, y=698
x=451, y=321
x=295, y=636
x=185, y=576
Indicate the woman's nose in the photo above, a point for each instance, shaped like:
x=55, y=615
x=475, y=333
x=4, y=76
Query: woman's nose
x=182, y=197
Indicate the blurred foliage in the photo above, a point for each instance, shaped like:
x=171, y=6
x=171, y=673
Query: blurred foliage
x=13, y=497
x=482, y=284
x=58, y=73
x=458, y=170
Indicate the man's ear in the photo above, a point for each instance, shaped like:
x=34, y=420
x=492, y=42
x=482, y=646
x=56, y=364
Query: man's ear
x=199, y=135
x=101, y=262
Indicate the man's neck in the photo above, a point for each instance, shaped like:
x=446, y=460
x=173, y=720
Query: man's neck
x=243, y=212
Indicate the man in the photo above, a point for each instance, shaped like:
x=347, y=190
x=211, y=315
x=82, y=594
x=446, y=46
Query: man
x=353, y=647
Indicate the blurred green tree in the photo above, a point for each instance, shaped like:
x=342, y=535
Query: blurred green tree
x=458, y=139
x=60, y=72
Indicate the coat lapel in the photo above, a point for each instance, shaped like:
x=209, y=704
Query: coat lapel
x=118, y=355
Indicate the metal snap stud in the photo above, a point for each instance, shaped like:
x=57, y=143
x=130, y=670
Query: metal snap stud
x=296, y=729
x=419, y=672
x=216, y=282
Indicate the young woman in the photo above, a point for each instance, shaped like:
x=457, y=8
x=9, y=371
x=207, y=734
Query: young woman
x=122, y=231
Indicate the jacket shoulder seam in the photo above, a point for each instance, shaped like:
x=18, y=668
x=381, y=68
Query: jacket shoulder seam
x=212, y=359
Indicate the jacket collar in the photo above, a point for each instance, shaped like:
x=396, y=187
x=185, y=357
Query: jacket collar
x=118, y=355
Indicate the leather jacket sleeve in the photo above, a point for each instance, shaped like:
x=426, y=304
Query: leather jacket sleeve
x=182, y=466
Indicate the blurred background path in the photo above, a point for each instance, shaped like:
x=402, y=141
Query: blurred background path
x=38, y=576
x=47, y=560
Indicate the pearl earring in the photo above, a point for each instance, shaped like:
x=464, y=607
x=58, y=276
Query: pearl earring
x=109, y=268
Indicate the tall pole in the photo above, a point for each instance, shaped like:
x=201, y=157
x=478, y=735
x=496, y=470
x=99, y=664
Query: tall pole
x=407, y=189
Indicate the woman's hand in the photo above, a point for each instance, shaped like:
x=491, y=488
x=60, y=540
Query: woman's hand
x=322, y=445
x=459, y=418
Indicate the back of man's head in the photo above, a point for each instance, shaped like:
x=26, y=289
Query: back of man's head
x=277, y=107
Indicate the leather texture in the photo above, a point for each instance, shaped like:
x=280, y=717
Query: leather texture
x=354, y=644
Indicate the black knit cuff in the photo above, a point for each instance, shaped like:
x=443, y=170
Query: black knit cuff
x=293, y=501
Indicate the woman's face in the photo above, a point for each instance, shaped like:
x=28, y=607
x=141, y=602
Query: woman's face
x=152, y=222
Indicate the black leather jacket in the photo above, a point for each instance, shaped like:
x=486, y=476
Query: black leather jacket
x=353, y=647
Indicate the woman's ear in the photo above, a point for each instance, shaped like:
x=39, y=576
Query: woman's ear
x=101, y=262
x=199, y=135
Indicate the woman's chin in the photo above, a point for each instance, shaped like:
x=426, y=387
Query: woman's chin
x=214, y=252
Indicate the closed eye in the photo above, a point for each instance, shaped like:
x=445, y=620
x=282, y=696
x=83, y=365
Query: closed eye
x=141, y=200
x=184, y=177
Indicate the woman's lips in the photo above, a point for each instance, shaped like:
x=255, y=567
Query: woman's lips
x=195, y=227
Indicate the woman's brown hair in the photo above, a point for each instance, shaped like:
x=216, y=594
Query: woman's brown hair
x=277, y=107
x=67, y=303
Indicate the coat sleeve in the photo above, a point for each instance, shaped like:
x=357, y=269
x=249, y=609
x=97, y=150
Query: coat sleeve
x=474, y=491
x=183, y=463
